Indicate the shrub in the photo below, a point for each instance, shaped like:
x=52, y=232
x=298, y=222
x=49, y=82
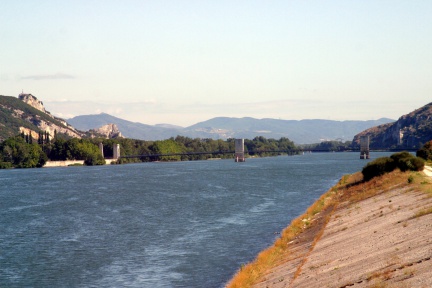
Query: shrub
x=413, y=164
x=400, y=155
x=5, y=165
x=405, y=161
x=410, y=179
x=426, y=151
x=378, y=167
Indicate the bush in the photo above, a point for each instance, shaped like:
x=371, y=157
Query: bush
x=410, y=179
x=400, y=155
x=426, y=151
x=405, y=161
x=5, y=165
x=378, y=167
x=417, y=164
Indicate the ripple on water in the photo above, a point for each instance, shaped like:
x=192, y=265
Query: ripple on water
x=263, y=206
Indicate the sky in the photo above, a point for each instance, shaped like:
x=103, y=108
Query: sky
x=186, y=61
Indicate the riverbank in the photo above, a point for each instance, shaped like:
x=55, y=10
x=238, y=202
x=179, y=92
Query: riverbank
x=374, y=234
x=67, y=163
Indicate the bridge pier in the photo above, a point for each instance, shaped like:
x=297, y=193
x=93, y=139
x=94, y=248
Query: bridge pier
x=239, y=150
x=364, y=147
x=101, y=149
x=116, y=151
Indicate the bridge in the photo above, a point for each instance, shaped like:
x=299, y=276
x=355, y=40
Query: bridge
x=239, y=152
x=257, y=152
x=290, y=152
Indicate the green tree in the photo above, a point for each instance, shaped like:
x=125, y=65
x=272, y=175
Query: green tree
x=58, y=150
x=167, y=147
x=82, y=149
x=76, y=149
x=15, y=152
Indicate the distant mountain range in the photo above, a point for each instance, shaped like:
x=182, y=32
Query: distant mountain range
x=299, y=131
x=26, y=114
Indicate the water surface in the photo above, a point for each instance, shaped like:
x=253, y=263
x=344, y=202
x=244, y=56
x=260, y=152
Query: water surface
x=178, y=224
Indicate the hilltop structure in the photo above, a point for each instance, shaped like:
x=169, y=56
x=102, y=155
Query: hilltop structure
x=32, y=101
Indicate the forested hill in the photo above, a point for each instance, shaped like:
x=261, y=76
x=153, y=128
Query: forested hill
x=410, y=131
x=18, y=117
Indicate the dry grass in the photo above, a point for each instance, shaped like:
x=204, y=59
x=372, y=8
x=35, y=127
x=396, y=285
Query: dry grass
x=423, y=212
x=349, y=190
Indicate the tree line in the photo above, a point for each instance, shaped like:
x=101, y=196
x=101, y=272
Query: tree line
x=22, y=151
x=199, y=149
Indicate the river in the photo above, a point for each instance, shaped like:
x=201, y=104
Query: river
x=173, y=224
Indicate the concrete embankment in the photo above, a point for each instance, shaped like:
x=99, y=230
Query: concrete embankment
x=374, y=234
x=63, y=163
x=66, y=163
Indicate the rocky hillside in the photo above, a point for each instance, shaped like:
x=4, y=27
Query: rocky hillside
x=128, y=129
x=410, y=131
x=108, y=131
x=27, y=114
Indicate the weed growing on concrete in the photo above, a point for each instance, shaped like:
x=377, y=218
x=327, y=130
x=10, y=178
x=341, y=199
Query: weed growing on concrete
x=423, y=212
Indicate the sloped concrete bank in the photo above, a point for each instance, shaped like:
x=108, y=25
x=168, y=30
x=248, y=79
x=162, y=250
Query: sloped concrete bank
x=63, y=163
x=376, y=234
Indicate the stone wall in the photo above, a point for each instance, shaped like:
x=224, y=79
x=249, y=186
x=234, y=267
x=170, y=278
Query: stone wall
x=63, y=163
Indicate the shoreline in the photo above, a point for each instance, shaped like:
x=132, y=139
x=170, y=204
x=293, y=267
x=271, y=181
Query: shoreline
x=66, y=163
x=357, y=234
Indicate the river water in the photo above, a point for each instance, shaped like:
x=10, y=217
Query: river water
x=176, y=224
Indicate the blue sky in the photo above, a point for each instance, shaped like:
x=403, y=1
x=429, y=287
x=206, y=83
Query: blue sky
x=182, y=62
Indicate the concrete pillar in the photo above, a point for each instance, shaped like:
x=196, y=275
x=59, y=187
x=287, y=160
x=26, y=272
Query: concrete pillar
x=101, y=149
x=364, y=147
x=116, y=151
x=239, y=150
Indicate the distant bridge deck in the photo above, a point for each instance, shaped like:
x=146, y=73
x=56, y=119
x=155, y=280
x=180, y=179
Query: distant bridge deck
x=215, y=153
x=289, y=152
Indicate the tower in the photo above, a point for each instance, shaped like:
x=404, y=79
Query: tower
x=239, y=150
x=116, y=151
x=101, y=149
x=364, y=147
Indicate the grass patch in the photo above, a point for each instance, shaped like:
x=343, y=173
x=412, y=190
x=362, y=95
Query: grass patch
x=423, y=212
